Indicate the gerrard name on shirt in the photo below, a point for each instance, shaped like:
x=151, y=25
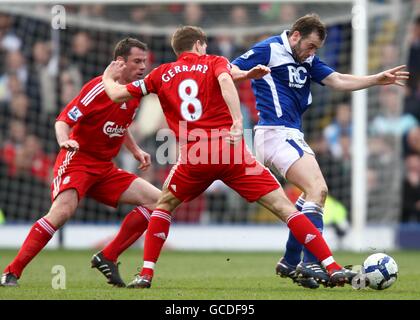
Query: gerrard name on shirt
x=166, y=77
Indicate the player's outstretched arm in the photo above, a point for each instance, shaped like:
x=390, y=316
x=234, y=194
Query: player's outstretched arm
x=115, y=91
x=230, y=95
x=256, y=72
x=348, y=82
x=62, y=133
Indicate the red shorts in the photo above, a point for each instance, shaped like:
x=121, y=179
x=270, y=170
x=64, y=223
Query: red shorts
x=236, y=167
x=100, y=180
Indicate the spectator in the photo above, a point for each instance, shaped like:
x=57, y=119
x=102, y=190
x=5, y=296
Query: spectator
x=413, y=93
x=8, y=40
x=7, y=109
x=239, y=16
x=42, y=78
x=13, y=142
x=139, y=15
x=38, y=123
x=284, y=13
x=14, y=77
x=389, y=55
x=412, y=101
x=341, y=126
x=26, y=185
x=193, y=15
x=19, y=107
x=414, y=56
x=83, y=57
x=390, y=121
x=14, y=84
x=70, y=84
x=411, y=142
x=30, y=159
x=345, y=148
x=224, y=45
x=16, y=64
x=92, y=10
x=411, y=190
x=288, y=13
x=150, y=14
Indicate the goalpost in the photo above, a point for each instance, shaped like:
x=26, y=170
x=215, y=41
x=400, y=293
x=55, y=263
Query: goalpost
x=359, y=106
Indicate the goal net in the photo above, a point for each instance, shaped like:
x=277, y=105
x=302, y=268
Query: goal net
x=43, y=68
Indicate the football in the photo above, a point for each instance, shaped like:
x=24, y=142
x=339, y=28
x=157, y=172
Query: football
x=380, y=270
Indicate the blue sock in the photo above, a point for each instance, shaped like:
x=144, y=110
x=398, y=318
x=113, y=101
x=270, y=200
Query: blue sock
x=293, y=247
x=314, y=213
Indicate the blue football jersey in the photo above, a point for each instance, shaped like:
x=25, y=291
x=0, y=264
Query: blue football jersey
x=284, y=94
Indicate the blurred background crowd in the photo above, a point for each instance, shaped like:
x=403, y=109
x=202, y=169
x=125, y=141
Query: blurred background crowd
x=41, y=70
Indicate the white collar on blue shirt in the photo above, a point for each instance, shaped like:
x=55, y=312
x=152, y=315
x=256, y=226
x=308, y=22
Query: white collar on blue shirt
x=286, y=44
x=285, y=40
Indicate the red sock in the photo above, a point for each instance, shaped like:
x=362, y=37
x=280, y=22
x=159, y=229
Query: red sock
x=157, y=233
x=308, y=235
x=38, y=237
x=132, y=227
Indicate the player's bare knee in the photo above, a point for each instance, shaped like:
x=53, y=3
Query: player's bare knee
x=58, y=216
x=317, y=193
x=62, y=208
x=323, y=193
x=152, y=201
x=167, y=201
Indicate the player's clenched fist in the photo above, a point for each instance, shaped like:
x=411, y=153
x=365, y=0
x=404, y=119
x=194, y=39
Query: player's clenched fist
x=114, y=69
x=70, y=145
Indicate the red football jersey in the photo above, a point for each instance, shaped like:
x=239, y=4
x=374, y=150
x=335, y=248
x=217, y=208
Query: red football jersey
x=189, y=92
x=99, y=124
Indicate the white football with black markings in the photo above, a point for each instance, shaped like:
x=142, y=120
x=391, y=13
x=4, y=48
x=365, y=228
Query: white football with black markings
x=380, y=270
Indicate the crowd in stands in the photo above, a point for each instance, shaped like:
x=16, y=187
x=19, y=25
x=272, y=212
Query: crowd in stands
x=411, y=138
x=38, y=77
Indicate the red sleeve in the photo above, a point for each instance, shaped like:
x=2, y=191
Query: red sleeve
x=221, y=64
x=80, y=106
x=137, y=89
x=143, y=87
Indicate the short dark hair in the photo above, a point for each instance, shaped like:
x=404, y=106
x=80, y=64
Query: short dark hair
x=123, y=47
x=308, y=24
x=184, y=38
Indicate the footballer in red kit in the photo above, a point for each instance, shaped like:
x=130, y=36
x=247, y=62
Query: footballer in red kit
x=197, y=93
x=99, y=125
x=90, y=132
x=188, y=83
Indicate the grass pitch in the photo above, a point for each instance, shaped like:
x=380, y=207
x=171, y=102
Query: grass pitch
x=196, y=276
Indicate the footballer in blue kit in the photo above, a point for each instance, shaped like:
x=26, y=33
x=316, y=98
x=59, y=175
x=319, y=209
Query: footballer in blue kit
x=287, y=64
x=284, y=94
